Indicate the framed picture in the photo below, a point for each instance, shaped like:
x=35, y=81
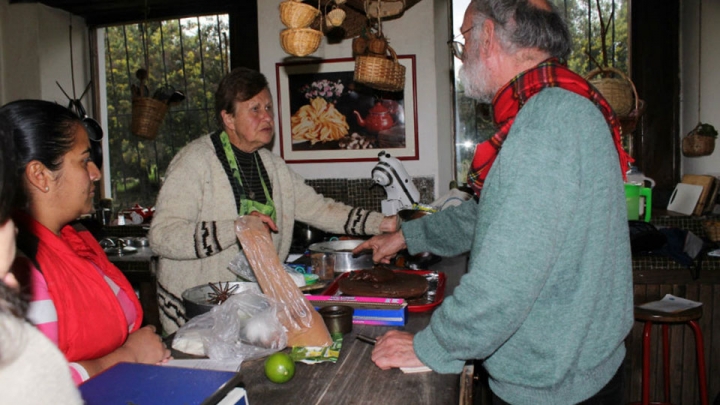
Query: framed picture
x=325, y=116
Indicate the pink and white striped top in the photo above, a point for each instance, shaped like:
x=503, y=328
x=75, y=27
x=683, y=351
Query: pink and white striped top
x=41, y=311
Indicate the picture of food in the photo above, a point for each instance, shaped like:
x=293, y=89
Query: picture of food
x=332, y=112
x=325, y=115
x=318, y=121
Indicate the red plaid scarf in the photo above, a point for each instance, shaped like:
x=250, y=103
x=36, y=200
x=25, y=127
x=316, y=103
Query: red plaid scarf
x=511, y=98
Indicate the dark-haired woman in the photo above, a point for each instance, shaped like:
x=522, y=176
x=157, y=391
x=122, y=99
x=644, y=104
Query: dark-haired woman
x=32, y=370
x=229, y=173
x=80, y=300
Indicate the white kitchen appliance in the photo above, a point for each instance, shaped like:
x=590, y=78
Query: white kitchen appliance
x=401, y=192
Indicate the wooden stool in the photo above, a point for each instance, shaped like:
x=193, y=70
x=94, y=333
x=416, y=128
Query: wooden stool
x=689, y=317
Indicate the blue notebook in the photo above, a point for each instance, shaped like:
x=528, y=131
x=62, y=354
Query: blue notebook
x=132, y=383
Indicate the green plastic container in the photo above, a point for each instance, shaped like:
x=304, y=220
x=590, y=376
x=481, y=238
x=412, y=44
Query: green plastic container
x=635, y=196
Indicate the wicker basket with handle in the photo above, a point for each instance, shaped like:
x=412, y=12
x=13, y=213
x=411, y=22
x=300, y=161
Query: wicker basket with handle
x=694, y=144
x=620, y=92
x=380, y=71
x=147, y=116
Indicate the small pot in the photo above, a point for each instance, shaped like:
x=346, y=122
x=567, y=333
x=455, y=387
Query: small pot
x=338, y=318
x=197, y=299
x=329, y=259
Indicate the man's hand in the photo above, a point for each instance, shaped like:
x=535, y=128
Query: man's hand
x=384, y=246
x=269, y=223
x=395, y=349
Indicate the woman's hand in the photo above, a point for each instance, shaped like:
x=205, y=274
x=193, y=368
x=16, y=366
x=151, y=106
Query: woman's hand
x=146, y=346
x=390, y=224
x=141, y=346
x=266, y=219
x=395, y=349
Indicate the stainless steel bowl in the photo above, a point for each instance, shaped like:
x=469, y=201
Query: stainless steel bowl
x=197, y=299
x=331, y=258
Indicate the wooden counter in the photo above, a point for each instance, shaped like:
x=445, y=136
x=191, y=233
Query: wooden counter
x=355, y=379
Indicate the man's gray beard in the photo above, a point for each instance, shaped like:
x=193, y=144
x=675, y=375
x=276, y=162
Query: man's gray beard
x=473, y=76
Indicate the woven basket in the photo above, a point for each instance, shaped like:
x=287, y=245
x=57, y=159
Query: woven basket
x=380, y=72
x=336, y=17
x=297, y=15
x=147, y=116
x=620, y=93
x=300, y=41
x=694, y=144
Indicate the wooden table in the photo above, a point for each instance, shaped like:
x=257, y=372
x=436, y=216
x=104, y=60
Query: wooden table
x=355, y=379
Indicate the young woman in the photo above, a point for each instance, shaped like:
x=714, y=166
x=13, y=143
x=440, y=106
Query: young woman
x=80, y=300
x=32, y=370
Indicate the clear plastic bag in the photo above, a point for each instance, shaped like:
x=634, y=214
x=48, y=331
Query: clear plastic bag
x=305, y=327
x=244, y=327
x=239, y=266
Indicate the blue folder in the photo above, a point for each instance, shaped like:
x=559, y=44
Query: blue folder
x=132, y=383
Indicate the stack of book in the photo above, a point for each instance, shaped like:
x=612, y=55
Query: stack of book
x=367, y=310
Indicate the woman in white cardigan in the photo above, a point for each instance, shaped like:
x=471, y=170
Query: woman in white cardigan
x=228, y=173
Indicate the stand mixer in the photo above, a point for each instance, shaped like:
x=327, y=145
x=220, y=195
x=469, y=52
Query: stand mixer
x=401, y=192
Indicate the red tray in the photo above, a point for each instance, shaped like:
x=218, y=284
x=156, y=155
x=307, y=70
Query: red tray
x=415, y=304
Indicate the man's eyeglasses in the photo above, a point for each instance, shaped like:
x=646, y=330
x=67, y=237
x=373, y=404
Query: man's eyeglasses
x=458, y=48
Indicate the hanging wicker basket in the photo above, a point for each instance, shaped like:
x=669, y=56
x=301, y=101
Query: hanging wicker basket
x=147, y=116
x=620, y=92
x=336, y=17
x=380, y=72
x=297, y=15
x=384, y=8
x=694, y=144
x=300, y=41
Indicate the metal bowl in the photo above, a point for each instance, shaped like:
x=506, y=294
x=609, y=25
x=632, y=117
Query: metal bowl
x=197, y=299
x=331, y=258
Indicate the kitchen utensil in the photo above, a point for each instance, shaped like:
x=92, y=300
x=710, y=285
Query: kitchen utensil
x=366, y=339
x=176, y=97
x=706, y=199
x=684, y=198
x=433, y=298
x=163, y=93
x=636, y=197
x=335, y=257
x=391, y=174
x=338, y=318
x=197, y=299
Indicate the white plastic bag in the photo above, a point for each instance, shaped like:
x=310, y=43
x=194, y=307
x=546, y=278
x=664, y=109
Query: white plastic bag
x=244, y=327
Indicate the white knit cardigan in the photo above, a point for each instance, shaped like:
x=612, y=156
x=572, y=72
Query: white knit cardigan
x=193, y=226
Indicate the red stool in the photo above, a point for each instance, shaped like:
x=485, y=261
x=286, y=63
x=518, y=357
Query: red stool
x=689, y=317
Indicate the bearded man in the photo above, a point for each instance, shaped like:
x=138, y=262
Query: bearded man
x=547, y=300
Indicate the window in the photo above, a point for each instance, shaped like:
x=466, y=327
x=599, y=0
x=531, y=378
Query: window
x=189, y=55
x=473, y=121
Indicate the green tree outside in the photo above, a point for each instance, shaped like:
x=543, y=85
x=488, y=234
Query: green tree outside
x=473, y=121
x=189, y=55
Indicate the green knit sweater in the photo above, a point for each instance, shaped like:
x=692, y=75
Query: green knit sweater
x=547, y=299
